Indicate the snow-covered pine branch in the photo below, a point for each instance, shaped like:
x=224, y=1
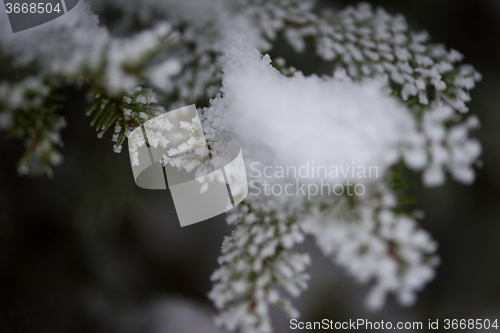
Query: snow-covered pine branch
x=367, y=234
x=393, y=100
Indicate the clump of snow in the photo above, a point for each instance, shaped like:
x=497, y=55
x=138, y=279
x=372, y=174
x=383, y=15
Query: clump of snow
x=331, y=121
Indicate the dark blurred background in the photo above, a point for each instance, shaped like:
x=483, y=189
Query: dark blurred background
x=88, y=251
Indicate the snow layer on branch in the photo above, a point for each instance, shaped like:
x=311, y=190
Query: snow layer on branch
x=58, y=41
x=331, y=121
x=75, y=47
x=209, y=25
x=206, y=28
